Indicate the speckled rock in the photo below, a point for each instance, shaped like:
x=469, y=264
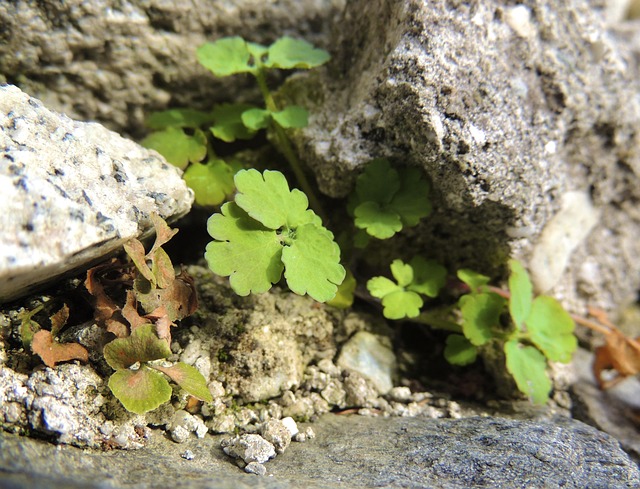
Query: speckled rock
x=510, y=109
x=114, y=61
x=73, y=192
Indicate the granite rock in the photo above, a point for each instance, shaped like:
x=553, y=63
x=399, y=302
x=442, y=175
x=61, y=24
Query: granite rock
x=115, y=61
x=518, y=114
x=73, y=193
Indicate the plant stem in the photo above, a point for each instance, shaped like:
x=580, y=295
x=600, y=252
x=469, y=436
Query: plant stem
x=284, y=144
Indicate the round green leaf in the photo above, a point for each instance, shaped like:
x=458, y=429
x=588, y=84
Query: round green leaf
x=376, y=221
x=459, y=350
x=179, y=118
x=288, y=53
x=140, y=390
x=551, y=328
x=528, y=367
x=480, y=315
x=402, y=272
x=255, y=119
x=177, y=147
x=228, y=124
x=381, y=286
x=292, y=117
x=212, y=182
x=226, y=56
x=428, y=276
x=521, y=293
x=401, y=304
x=189, y=378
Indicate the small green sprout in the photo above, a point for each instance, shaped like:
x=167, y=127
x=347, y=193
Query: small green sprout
x=402, y=298
x=387, y=199
x=268, y=229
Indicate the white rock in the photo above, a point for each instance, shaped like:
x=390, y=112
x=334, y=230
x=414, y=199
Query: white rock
x=364, y=353
x=249, y=448
x=73, y=192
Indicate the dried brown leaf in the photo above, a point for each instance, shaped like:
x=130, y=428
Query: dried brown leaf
x=163, y=232
x=104, y=306
x=53, y=352
x=59, y=319
x=130, y=311
x=135, y=250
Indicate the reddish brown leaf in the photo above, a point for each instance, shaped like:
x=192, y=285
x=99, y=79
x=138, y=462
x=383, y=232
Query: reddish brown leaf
x=117, y=327
x=130, y=311
x=104, y=306
x=135, y=250
x=53, y=352
x=620, y=353
x=163, y=232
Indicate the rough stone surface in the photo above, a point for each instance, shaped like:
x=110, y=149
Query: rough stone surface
x=348, y=452
x=73, y=192
x=115, y=61
x=507, y=108
x=249, y=448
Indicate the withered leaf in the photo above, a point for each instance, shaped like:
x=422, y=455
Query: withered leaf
x=163, y=232
x=59, y=319
x=53, y=352
x=189, y=378
x=620, y=353
x=179, y=298
x=130, y=311
x=135, y=250
x=104, y=306
x=162, y=268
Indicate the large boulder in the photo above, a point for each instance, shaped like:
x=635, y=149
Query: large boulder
x=73, y=193
x=525, y=117
x=114, y=61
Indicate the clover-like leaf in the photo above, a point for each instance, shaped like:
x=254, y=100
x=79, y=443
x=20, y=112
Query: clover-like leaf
x=267, y=229
x=266, y=198
x=142, y=346
x=551, y=328
x=474, y=280
x=528, y=367
x=244, y=250
x=387, y=199
x=521, y=293
x=480, y=315
x=179, y=118
x=177, y=147
x=140, y=390
x=459, y=350
x=256, y=119
x=226, y=56
x=288, y=53
x=402, y=272
x=397, y=302
x=292, y=117
x=428, y=276
x=228, y=125
x=189, y=378
x=212, y=182
x=312, y=263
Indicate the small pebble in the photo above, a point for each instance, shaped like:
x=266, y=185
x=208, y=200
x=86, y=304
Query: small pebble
x=255, y=468
x=188, y=455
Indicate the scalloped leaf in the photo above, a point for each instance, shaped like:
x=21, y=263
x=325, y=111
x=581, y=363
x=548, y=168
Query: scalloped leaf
x=141, y=390
x=212, y=182
x=480, y=315
x=226, y=56
x=292, y=117
x=474, y=280
x=142, y=346
x=256, y=119
x=228, y=124
x=289, y=53
x=521, y=293
x=428, y=276
x=177, y=147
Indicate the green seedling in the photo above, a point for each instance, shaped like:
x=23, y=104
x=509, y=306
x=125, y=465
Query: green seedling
x=539, y=329
x=402, y=298
x=269, y=229
x=387, y=199
x=181, y=134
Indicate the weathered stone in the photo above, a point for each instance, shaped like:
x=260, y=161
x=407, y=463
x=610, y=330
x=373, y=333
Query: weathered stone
x=510, y=110
x=249, y=448
x=73, y=192
x=114, y=61
x=349, y=452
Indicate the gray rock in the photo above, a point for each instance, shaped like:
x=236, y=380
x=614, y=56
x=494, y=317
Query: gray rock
x=348, y=452
x=73, y=192
x=114, y=61
x=366, y=354
x=277, y=433
x=517, y=113
x=249, y=448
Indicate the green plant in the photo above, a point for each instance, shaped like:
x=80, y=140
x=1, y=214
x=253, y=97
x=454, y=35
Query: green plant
x=537, y=329
x=181, y=134
x=268, y=229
